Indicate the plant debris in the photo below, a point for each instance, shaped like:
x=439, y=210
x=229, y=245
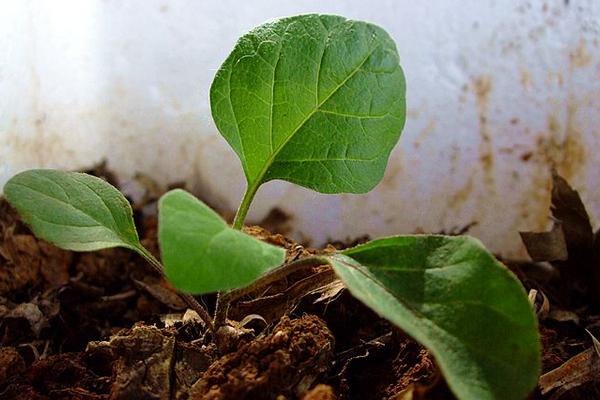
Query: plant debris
x=97, y=326
x=567, y=303
x=571, y=247
x=578, y=370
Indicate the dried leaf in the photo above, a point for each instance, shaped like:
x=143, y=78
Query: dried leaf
x=143, y=369
x=542, y=309
x=171, y=319
x=570, y=246
x=568, y=208
x=329, y=292
x=564, y=316
x=192, y=316
x=32, y=314
x=596, y=342
x=580, y=369
x=546, y=246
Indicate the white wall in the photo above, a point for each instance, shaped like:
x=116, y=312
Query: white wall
x=498, y=91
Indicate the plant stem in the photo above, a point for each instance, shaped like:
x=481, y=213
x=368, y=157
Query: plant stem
x=221, y=309
x=187, y=298
x=240, y=216
x=222, y=305
x=225, y=298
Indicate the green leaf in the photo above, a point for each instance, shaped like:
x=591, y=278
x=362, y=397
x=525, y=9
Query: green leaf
x=451, y=294
x=74, y=211
x=317, y=100
x=202, y=254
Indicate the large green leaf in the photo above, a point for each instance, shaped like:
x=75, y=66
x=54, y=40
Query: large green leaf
x=202, y=254
x=74, y=211
x=451, y=294
x=317, y=100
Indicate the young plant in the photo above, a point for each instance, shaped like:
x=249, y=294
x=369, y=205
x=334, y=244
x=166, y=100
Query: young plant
x=317, y=100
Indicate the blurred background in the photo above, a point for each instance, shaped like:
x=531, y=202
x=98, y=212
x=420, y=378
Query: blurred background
x=498, y=92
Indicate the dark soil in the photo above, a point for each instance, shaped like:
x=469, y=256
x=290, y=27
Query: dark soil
x=102, y=325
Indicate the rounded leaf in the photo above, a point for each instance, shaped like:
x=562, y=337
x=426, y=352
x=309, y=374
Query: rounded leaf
x=202, y=254
x=317, y=100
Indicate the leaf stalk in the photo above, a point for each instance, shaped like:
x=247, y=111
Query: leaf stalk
x=240, y=216
x=187, y=298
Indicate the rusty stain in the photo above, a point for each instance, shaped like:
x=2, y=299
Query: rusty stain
x=555, y=78
x=580, y=57
x=525, y=79
x=458, y=198
x=482, y=87
x=526, y=156
x=412, y=113
x=454, y=158
x=487, y=160
x=533, y=209
x=564, y=149
x=561, y=147
x=394, y=169
x=41, y=148
x=425, y=133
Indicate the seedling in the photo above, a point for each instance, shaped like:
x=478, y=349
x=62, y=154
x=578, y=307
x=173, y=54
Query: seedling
x=316, y=100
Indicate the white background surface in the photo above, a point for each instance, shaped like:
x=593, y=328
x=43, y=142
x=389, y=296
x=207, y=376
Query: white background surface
x=498, y=91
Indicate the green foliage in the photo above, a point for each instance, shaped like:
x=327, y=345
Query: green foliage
x=202, y=254
x=72, y=210
x=451, y=295
x=317, y=100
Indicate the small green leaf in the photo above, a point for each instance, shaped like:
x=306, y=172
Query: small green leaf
x=451, y=294
x=317, y=100
x=74, y=211
x=202, y=254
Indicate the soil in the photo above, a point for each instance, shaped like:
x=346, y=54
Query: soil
x=102, y=325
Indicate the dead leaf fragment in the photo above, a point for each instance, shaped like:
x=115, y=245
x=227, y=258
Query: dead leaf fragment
x=32, y=314
x=564, y=316
x=542, y=308
x=143, y=367
x=578, y=370
x=320, y=392
x=596, y=342
x=571, y=247
x=329, y=292
x=568, y=208
x=546, y=246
